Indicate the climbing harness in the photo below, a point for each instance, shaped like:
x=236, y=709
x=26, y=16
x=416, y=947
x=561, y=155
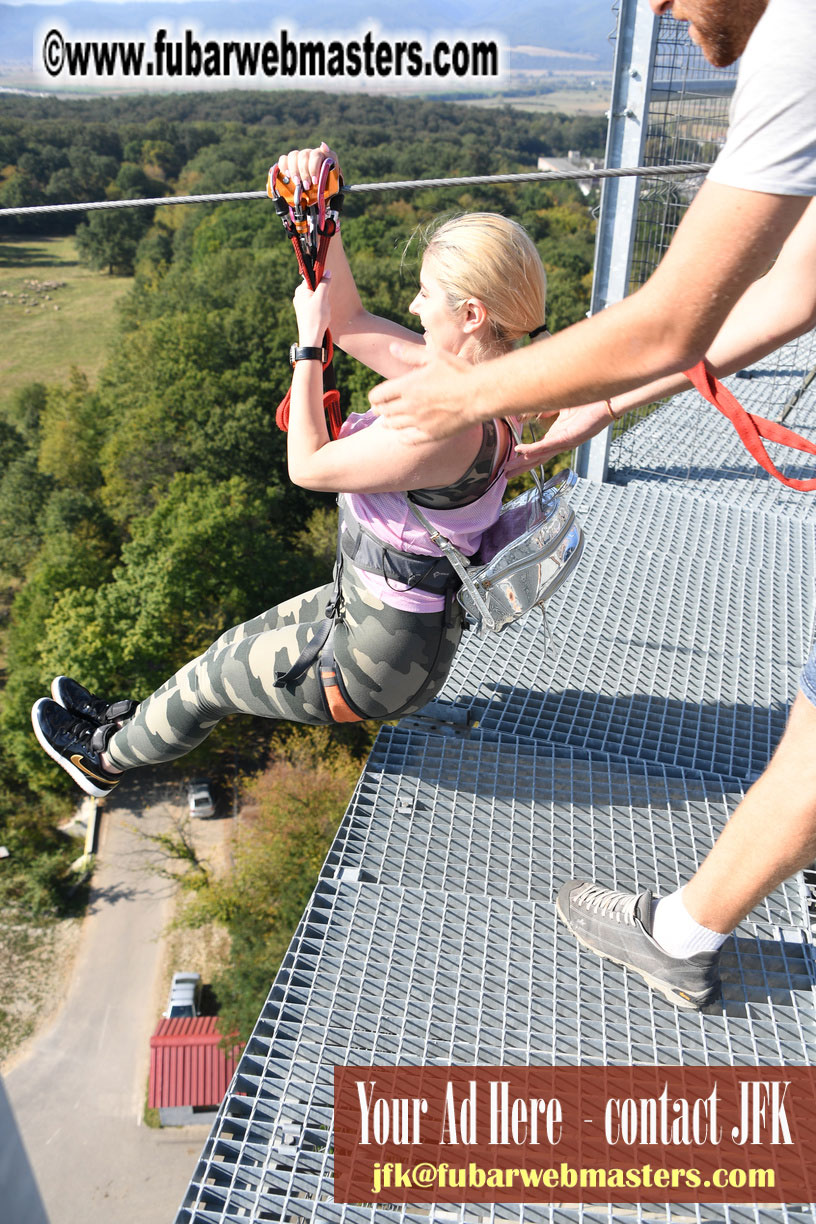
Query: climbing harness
x=751, y=428
x=310, y=219
x=413, y=571
x=523, y=558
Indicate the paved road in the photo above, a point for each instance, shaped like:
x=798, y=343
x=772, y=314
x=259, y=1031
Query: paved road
x=79, y=1094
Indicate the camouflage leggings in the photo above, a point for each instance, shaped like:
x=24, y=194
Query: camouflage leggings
x=392, y=662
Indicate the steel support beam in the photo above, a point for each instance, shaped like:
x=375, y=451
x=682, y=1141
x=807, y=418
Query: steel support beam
x=626, y=139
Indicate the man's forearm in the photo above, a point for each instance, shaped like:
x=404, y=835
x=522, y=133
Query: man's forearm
x=628, y=344
x=726, y=240
x=672, y=321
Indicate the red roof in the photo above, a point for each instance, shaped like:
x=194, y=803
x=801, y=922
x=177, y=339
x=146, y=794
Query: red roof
x=187, y=1064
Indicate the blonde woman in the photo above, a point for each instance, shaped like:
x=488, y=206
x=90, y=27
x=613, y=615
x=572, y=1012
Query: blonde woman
x=377, y=642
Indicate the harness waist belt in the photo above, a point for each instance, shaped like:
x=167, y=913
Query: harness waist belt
x=414, y=570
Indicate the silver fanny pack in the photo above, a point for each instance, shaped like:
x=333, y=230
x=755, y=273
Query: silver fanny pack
x=523, y=558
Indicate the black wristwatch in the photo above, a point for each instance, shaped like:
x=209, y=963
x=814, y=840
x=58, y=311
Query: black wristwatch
x=296, y=353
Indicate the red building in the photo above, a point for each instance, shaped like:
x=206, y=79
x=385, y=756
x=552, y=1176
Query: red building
x=189, y=1070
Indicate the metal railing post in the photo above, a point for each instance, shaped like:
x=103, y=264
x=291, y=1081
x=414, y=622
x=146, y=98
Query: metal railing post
x=626, y=138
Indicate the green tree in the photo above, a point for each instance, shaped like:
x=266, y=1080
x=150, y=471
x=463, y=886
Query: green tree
x=70, y=435
x=25, y=410
x=11, y=444
x=21, y=191
x=76, y=553
x=206, y=558
x=24, y=491
x=92, y=170
x=296, y=806
x=110, y=238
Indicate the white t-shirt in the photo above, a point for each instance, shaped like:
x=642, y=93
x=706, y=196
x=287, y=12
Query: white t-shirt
x=771, y=142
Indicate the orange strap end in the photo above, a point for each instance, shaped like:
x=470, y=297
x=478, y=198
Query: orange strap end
x=339, y=708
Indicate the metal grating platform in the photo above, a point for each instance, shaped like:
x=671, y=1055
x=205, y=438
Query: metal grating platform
x=705, y=456
x=515, y=819
x=655, y=518
x=682, y=655
x=379, y=975
x=612, y=744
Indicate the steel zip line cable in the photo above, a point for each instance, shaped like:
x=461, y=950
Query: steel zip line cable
x=689, y=168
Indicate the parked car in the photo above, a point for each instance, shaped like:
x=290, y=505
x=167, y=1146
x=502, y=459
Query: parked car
x=185, y=996
x=199, y=798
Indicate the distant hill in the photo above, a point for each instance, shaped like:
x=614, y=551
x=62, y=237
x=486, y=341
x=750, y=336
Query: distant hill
x=576, y=31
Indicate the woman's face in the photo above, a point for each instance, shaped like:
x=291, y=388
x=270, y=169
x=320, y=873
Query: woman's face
x=442, y=326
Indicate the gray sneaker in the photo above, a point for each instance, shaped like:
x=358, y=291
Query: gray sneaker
x=618, y=926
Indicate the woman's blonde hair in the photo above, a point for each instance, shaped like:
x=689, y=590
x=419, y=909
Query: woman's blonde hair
x=489, y=257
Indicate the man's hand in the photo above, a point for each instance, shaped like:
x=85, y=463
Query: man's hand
x=570, y=428
x=436, y=400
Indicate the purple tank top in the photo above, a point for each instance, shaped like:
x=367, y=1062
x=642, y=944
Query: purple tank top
x=387, y=516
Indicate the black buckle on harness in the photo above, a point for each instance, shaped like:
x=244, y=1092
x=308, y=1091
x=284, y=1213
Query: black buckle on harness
x=414, y=571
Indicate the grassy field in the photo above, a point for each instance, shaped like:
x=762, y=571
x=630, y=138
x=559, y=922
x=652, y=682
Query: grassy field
x=54, y=313
x=586, y=100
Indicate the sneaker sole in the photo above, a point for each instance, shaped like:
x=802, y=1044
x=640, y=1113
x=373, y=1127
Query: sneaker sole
x=82, y=780
x=682, y=1001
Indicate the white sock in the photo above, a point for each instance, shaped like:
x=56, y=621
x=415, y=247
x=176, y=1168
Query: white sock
x=678, y=933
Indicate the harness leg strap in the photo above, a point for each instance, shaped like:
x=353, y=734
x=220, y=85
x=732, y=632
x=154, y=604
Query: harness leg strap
x=336, y=701
x=308, y=655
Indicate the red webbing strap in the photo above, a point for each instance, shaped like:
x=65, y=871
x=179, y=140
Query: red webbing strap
x=306, y=272
x=752, y=429
x=331, y=397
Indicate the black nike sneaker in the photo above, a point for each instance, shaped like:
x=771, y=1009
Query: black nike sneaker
x=78, y=700
x=75, y=744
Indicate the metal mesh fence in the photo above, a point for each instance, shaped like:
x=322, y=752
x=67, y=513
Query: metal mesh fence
x=687, y=121
x=687, y=111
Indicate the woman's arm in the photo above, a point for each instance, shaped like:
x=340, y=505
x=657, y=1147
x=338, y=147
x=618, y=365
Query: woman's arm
x=364, y=336
x=372, y=460
x=355, y=330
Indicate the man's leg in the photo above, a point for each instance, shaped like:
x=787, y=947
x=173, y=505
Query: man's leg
x=771, y=835
x=674, y=943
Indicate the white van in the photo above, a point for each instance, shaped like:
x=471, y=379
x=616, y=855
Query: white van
x=185, y=996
